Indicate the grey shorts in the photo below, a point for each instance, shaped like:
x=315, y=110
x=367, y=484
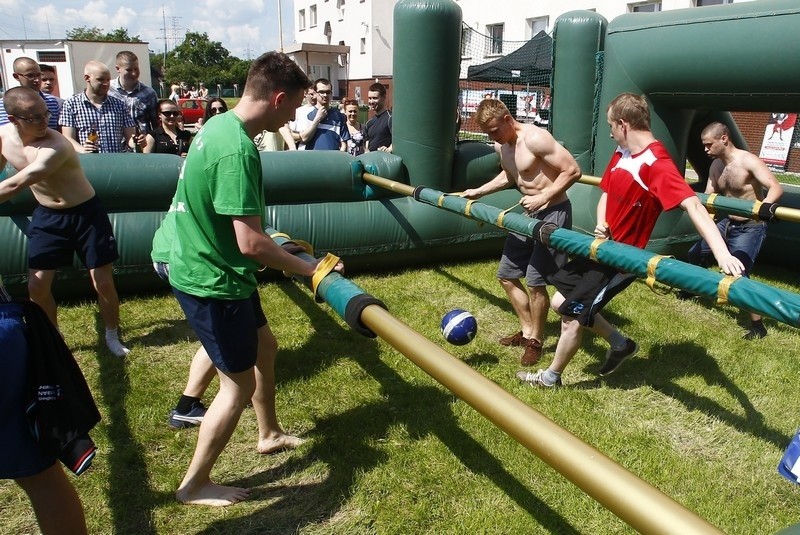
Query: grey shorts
x=529, y=258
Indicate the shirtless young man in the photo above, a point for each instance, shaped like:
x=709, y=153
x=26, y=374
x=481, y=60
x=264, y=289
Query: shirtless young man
x=69, y=218
x=739, y=174
x=542, y=170
x=639, y=183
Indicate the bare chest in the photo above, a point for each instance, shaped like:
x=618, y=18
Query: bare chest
x=736, y=181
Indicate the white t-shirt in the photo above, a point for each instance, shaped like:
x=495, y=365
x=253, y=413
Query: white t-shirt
x=301, y=122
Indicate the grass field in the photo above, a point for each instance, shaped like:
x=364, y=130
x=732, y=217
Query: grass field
x=701, y=414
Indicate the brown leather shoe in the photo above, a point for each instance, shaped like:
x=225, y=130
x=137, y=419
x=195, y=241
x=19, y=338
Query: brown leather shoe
x=533, y=352
x=514, y=340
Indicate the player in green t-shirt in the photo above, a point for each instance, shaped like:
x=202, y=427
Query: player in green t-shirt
x=217, y=247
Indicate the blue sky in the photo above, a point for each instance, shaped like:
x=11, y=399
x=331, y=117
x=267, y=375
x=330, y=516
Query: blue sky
x=244, y=27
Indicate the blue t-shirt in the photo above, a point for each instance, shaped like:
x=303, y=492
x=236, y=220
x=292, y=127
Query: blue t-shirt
x=331, y=131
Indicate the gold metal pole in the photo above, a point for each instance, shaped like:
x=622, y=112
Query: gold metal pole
x=642, y=506
x=397, y=187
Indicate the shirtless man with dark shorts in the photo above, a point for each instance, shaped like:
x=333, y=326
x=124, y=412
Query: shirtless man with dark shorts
x=738, y=174
x=69, y=218
x=542, y=170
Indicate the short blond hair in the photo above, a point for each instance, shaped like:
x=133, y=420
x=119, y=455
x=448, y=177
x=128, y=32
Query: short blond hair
x=489, y=109
x=632, y=109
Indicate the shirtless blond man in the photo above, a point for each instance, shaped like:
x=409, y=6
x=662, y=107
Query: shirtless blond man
x=69, y=218
x=739, y=174
x=542, y=170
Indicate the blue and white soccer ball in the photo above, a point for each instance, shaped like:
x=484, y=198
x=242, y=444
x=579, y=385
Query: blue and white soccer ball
x=459, y=327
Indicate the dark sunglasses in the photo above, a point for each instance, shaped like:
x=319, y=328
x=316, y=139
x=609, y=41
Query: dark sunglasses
x=218, y=109
x=170, y=113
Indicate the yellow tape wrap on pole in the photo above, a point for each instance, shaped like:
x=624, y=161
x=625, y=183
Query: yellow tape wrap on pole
x=595, y=245
x=324, y=267
x=652, y=264
x=723, y=288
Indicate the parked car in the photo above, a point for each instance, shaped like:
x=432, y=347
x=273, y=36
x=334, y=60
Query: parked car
x=192, y=109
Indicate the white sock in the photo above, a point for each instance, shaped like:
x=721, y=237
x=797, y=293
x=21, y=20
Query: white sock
x=114, y=345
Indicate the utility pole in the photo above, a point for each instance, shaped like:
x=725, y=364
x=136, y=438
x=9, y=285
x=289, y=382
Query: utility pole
x=280, y=25
x=164, y=17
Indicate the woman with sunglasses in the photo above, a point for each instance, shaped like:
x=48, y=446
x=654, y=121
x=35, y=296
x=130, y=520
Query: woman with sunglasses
x=355, y=145
x=168, y=137
x=214, y=107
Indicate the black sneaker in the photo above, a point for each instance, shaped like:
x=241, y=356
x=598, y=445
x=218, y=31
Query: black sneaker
x=181, y=420
x=756, y=332
x=683, y=295
x=616, y=357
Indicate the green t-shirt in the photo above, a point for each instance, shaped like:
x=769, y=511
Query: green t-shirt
x=220, y=178
x=162, y=239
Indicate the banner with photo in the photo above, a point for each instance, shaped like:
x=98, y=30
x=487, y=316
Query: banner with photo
x=778, y=139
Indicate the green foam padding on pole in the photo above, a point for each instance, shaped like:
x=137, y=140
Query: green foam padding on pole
x=427, y=60
x=745, y=293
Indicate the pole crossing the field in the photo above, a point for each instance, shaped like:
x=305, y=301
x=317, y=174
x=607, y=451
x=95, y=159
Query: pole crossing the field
x=633, y=500
x=742, y=292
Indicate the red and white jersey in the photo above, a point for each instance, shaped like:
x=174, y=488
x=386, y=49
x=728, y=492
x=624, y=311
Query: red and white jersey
x=639, y=187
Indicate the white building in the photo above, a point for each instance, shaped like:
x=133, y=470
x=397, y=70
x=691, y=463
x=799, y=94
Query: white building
x=350, y=41
x=68, y=58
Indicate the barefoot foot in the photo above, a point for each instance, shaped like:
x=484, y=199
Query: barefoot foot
x=278, y=442
x=212, y=494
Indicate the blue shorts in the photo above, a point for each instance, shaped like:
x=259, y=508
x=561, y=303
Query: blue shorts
x=20, y=455
x=55, y=235
x=529, y=258
x=743, y=238
x=226, y=328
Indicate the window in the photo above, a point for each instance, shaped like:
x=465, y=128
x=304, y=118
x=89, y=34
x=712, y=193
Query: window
x=340, y=7
x=701, y=3
x=495, y=32
x=301, y=19
x=328, y=31
x=312, y=16
x=51, y=57
x=644, y=7
x=363, y=45
x=321, y=71
x=534, y=26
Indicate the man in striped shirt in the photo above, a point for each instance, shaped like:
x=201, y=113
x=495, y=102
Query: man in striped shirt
x=28, y=74
x=92, y=120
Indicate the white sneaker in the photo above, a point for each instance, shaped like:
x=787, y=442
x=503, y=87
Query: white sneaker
x=116, y=347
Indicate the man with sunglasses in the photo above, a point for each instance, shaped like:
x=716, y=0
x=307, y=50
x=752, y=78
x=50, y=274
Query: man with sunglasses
x=69, y=218
x=28, y=74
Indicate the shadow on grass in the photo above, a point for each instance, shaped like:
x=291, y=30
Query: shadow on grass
x=343, y=442
x=129, y=501
x=665, y=363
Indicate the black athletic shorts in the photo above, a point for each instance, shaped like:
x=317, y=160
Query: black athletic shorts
x=587, y=287
x=55, y=235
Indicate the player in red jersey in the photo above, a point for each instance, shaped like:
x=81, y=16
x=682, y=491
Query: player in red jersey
x=640, y=182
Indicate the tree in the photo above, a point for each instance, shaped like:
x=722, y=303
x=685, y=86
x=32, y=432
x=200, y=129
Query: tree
x=94, y=33
x=198, y=59
x=198, y=50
